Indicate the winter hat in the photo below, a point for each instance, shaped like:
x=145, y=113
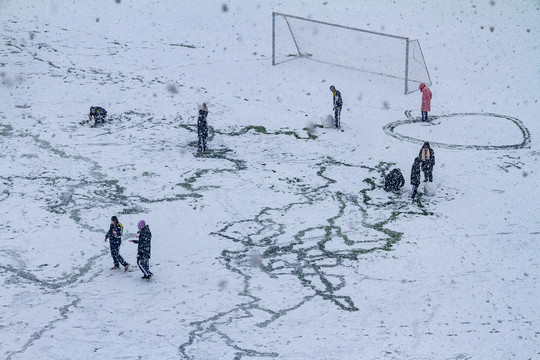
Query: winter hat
x=141, y=224
x=114, y=218
x=421, y=86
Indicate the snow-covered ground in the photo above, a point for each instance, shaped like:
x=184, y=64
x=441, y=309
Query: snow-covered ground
x=281, y=242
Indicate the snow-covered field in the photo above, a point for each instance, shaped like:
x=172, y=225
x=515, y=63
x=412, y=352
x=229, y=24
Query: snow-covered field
x=281, y=242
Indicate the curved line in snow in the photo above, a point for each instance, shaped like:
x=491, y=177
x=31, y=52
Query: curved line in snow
x=390, y=130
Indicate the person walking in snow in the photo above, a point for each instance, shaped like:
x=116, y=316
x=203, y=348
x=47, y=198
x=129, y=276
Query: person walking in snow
x=427, y=155
x=394, y=180
x=98, y=113
x=115, y=240
x=202, y=127
x=338, y=103
x=143, y=251
x=426, y=101
x=415, y=176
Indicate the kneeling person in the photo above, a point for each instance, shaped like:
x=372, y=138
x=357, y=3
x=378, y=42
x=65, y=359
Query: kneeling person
x=98, y=113
x=394, y=180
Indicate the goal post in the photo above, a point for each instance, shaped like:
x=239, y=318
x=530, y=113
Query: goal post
x=294, y=37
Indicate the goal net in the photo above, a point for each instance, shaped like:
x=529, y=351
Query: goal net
x=294, y=37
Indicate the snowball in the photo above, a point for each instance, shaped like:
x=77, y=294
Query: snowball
x=430, y=189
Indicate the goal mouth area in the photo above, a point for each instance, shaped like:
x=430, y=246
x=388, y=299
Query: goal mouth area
x=294, y=37
x=411, y=89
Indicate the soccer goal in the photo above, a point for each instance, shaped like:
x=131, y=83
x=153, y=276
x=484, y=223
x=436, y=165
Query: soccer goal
x=294, y=37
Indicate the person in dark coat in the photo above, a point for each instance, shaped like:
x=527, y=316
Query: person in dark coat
x=427, y=155
x=338, y=103
x=98, y=113
x=415, y=176
x=394, y=180
x=202, y=127
x=115, y=240
x=143, y=251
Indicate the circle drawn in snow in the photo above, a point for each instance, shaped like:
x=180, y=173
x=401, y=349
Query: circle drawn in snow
x=437, y=119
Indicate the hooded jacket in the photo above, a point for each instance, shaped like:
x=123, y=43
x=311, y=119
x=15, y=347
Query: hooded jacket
x=202, y=124
x=338, y=102
x=98, y=112
x=427, y=155
x=115, y=232
x=394, y=180
x=426, y=97
x=145, y=238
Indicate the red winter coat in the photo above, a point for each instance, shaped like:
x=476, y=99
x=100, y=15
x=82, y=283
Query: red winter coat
x=426, y=97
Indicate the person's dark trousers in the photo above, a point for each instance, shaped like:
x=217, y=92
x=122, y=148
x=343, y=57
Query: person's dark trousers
x=414, y=190
x=424, y=116
x=99, y=118
x=115, y=253
x=142, y=261
x=428, y=175
x=337, y=118
x=202, y=143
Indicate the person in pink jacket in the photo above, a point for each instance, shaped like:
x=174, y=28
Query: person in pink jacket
x=426, y=101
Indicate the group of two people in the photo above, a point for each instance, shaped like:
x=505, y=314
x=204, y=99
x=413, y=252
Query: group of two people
x=114, y=235
x=98, y=115
x=337, y=102
x=425, y=161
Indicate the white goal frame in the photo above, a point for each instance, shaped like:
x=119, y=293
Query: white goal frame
x=410, y=66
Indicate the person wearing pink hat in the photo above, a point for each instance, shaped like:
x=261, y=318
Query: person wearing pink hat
x=143, y=251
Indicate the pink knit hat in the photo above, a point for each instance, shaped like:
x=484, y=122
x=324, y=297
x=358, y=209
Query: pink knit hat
x=141, y=224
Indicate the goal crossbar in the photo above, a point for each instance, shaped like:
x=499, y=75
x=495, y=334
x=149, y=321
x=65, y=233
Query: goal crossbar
x=339, y=26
